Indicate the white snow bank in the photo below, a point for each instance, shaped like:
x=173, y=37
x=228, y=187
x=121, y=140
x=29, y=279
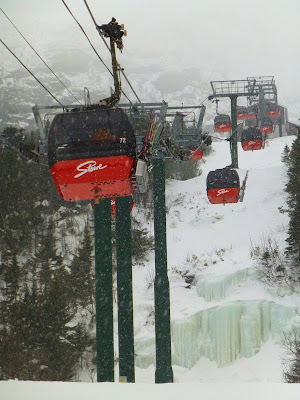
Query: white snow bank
x=15, y=390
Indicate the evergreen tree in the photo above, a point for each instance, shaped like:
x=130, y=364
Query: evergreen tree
x=37, y=340
x=9, y=311
x=10, y=272
x=182, y=170
x=293, y=190
x=82, y=272
x=13, y=135
x=47, y=260
x=39, y=335
x=292, y=357
x=286, y=155
x=142, y=242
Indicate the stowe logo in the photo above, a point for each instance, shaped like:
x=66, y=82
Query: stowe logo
x=88, y=166
x=222, y=191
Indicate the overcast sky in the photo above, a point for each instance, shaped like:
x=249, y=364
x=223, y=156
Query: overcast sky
x=235, y=38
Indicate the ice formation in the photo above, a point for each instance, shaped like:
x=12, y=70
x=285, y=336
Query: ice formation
x=228, y=332
x=145, y=352
x=216, y=288
x=223, y=334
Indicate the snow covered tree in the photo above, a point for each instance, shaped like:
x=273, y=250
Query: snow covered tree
x=13, y=135
x=182, y=170
x=292, y=358
x=142, y=242
x=82, y=272
x=10, y=272
x=293, y=191
x=39, y=335
x=285, y=158
x=47, y=260
x=270, y=261
x=38, y=340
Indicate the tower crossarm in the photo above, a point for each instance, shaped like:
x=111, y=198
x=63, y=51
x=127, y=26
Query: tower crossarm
x=231, y=88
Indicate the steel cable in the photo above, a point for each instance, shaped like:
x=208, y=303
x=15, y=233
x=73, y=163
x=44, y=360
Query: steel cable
x=32, y=74
x=40, y=57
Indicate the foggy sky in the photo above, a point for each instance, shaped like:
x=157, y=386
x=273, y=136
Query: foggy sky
x=234, y=38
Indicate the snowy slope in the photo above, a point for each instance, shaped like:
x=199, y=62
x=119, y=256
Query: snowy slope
x=213, y=242
x=14, y=390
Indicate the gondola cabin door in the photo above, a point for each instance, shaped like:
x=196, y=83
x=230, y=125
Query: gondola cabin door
x=92, y=154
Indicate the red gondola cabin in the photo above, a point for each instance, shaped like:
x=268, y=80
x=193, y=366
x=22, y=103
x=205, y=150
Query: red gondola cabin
x=222, y=123
x=241, y=113
x=223, y=186
x=272, y=110
x=266, y=126
x=189, y=148
x=196, y=154
x=252, y=112
x=251, y=139
x=92, y=153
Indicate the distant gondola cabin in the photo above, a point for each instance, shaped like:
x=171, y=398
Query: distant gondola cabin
x=272, y=110
x=223, y=186
x=189, y=149
x=252, y=112
x=251, y=139
x=241, y=113
x=222, y=123
x=266, y=126
x=196, y=154
x=92, y=153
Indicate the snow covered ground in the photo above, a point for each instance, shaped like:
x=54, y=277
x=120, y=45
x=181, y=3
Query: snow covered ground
x=14, y=390
x=213, y=243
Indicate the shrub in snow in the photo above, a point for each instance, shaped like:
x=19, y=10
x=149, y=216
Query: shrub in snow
x=270, y=261
x=291, y=360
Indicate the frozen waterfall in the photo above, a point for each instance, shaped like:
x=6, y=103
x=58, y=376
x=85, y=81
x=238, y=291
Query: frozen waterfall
x=223, y=334
x=230, y=331
x=216, y=288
